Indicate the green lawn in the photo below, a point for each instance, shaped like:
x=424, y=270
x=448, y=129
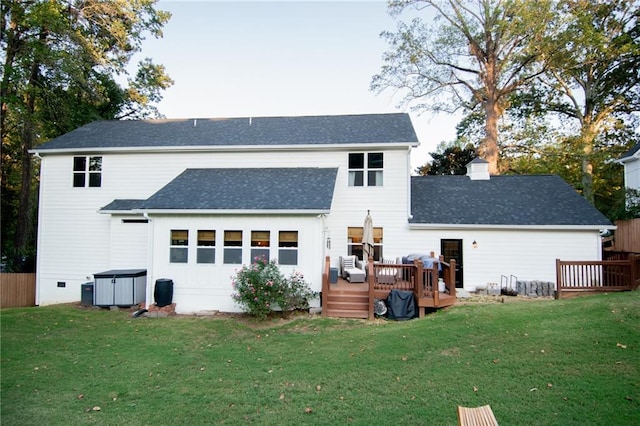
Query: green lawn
x=541, y=362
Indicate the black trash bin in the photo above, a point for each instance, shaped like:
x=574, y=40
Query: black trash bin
x=163, y=292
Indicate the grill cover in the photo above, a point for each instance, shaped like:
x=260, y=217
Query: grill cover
x=401, y=305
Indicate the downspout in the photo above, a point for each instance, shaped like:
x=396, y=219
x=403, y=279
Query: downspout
x=326, y=237
x=150, y=246
x=38, y=233
x=409, y=212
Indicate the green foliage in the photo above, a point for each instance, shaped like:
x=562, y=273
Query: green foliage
x=459, y=55
x=628, y=207
x=550, y=362
x=61, y=60
x=450, y=160
x=261, y=287
x=590, y=87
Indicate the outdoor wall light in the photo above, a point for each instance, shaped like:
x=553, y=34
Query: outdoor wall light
x=474, y=244
x=329, y=243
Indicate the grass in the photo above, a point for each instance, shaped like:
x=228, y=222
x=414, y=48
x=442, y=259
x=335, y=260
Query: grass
x=547, y=362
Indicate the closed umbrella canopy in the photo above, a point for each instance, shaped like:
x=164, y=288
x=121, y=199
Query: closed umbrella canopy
x=367, y=237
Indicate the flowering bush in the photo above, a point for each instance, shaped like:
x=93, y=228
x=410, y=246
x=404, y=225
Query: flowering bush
x=295, y=294
x=260, y=287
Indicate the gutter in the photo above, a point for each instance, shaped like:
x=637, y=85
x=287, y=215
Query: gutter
x=445, y=226
x=226, y=148
x=223, y=212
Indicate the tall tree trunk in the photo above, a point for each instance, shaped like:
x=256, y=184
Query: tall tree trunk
x=24, y=222
x=587, y=138
x=587, y=179
x=28, y=139
x=488, y=149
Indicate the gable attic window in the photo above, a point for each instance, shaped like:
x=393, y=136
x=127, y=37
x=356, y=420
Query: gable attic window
x=179, y=250
x=232, y=247
x=87, y=172
x=206, y=246
x=288, y=247
x=365, y=169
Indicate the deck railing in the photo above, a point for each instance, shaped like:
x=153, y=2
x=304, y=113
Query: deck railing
x=423, y=282
x=595, y=276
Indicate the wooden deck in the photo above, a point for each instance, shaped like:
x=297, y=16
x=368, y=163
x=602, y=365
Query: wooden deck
x=355, y=300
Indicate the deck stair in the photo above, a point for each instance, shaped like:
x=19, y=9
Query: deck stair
x=345, y=303
x=433, y=287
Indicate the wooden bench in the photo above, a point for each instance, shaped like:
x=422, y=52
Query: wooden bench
x=476, y=416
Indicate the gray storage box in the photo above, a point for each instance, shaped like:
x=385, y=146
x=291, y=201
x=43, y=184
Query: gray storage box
x=120, y=287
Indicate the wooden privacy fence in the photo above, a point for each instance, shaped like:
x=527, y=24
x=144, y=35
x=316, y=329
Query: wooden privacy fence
x=596, y=276
x=17, y=290
x=627, y=236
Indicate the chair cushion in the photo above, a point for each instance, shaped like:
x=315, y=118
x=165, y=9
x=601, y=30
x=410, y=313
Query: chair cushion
x=348, y=262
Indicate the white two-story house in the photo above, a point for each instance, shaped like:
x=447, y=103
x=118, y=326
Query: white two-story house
x=193, y=200
x=631, y=162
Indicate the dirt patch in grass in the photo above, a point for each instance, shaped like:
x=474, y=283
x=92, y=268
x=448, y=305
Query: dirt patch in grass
x=301, y=321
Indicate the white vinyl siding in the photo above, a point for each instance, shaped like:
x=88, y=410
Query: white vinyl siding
x=200, y=287
x=128, y=243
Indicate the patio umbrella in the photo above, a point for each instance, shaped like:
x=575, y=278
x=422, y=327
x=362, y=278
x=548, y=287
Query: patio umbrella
x=367, y=237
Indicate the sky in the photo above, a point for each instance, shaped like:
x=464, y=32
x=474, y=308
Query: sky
x=284, y=58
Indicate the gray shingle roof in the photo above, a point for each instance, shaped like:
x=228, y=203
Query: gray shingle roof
x=122, y=205
x=312, y=130
x=282, y=189
x=542, y=200
x=631, y=152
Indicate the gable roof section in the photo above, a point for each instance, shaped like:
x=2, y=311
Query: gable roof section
x=501, y=201
x=122, y=205
x=229, y=132
x=296, y=190
x=630, y=155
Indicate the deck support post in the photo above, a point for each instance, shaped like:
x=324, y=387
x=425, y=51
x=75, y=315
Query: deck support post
x=558, y=294
x=371, y=281
x=325, y=286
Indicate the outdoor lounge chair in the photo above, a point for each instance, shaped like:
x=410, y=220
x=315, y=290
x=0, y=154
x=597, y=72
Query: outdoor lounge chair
x=476, y=416
x=387, y=275
x=351, y=271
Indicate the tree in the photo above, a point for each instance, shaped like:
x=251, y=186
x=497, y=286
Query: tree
x=593, y=77
x=449, y=159
x=469, y=54
x=60, y=61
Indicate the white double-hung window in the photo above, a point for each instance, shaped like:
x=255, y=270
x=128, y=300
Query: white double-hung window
x=87, y=172
x=365, y=169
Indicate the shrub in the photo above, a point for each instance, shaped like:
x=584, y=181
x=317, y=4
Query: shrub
x=294, y=294
x=260, y=287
